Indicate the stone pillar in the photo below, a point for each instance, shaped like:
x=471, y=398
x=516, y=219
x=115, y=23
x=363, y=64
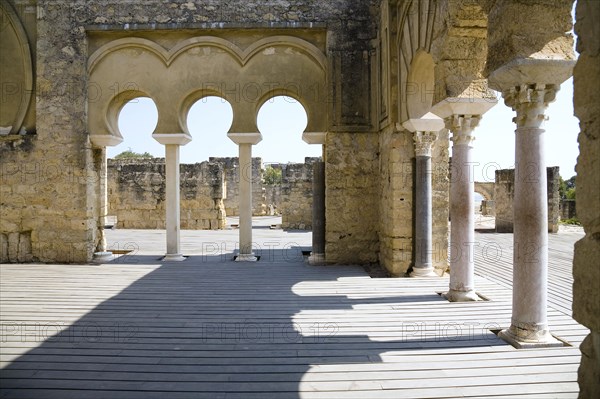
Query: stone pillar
x=462, y=116
x=172, y=142
x=318, y=220
x=529, y=323
x=317, y=256
x=101, y=250
x=101, y=142
x=425, y=133
x=245, y=142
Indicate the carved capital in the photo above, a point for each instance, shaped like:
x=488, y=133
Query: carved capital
x=530, y=103
x=423, y=143
x=462, y=127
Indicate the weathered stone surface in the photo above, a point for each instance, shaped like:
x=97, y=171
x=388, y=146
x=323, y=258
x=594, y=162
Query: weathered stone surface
x=586, y=268
x=231, y=173
x=352, y=198
x=529, y=30
x=137, y=194
x=504, y=196
x=296, y=195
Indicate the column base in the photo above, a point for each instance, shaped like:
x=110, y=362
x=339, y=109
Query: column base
x=102, y=257
x=525, y=339
x=174, y=258
x=461, y=296
x=246, y=258
x=316, y=259
x=423, y=272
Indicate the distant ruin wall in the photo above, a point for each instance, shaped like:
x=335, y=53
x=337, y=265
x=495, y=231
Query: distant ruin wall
x=504, y=196
x=230, y=166
x=296, y=195
x=136, y=194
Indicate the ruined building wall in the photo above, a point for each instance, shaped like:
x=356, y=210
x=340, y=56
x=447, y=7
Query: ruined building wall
x=136, y=194
x=231, y=171
x=586, y=268
x=296, y=195
x=49, y=184
x=352, y=198
x=504, y=195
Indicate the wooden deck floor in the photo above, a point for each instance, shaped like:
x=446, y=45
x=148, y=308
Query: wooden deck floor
x=212, y=328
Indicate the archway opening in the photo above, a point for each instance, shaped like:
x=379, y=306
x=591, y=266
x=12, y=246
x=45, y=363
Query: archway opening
x=136, y=122
x=282, y=120
x=208, y=121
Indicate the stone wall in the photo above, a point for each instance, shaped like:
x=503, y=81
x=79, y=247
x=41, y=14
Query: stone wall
x=504, y=195
x=586, y=268
x=296, y=195
x=352, y=197
x=231, y=172
x=49, y=183
x=136, y=194
x=568, y=209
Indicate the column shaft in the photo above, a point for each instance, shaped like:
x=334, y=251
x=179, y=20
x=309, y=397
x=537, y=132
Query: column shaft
x=423, y=266
x=245, y=207
x=529, y=322
x=462, y=212
x=102, y=254
x=423, y=224
x=318, y=219
x=172, y=203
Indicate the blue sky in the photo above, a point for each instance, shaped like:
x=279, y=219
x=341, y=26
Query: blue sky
x=282, y=121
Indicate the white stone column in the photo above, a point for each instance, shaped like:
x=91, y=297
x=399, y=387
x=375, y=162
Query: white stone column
x=462, y=211
x=425, y=133
x=245, y=142
x=528, y=86
x=462, y=116
x=172, y=142
x=529, y=322
x=101, y=142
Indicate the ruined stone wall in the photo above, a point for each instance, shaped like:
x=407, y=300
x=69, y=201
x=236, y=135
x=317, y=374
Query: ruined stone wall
x=49, y=184
x=136, y=194
x=352, y=197
x=586, y=268
x=396, y=203
x=567, y=209
x=231, y=172
x=296, y=195
x=504, y=196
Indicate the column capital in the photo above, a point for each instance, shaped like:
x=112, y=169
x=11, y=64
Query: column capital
x=314, y=137
x=245, y=138
x=105, y=140
x=427, y=123
x=463, y=106
x=172, y=138
x=424, y=142
x=530, y=102
x=462, y=127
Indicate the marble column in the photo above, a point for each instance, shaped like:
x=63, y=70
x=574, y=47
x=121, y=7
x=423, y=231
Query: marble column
x=245, y=142
x=462, y=115
x=529, y=322
x=317, y=256
x=462, y=211
x=172, y=142
x=102, y=253
x=425, y=133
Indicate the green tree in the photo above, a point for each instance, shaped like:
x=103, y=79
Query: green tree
x=129, y=154
x=272, y=176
